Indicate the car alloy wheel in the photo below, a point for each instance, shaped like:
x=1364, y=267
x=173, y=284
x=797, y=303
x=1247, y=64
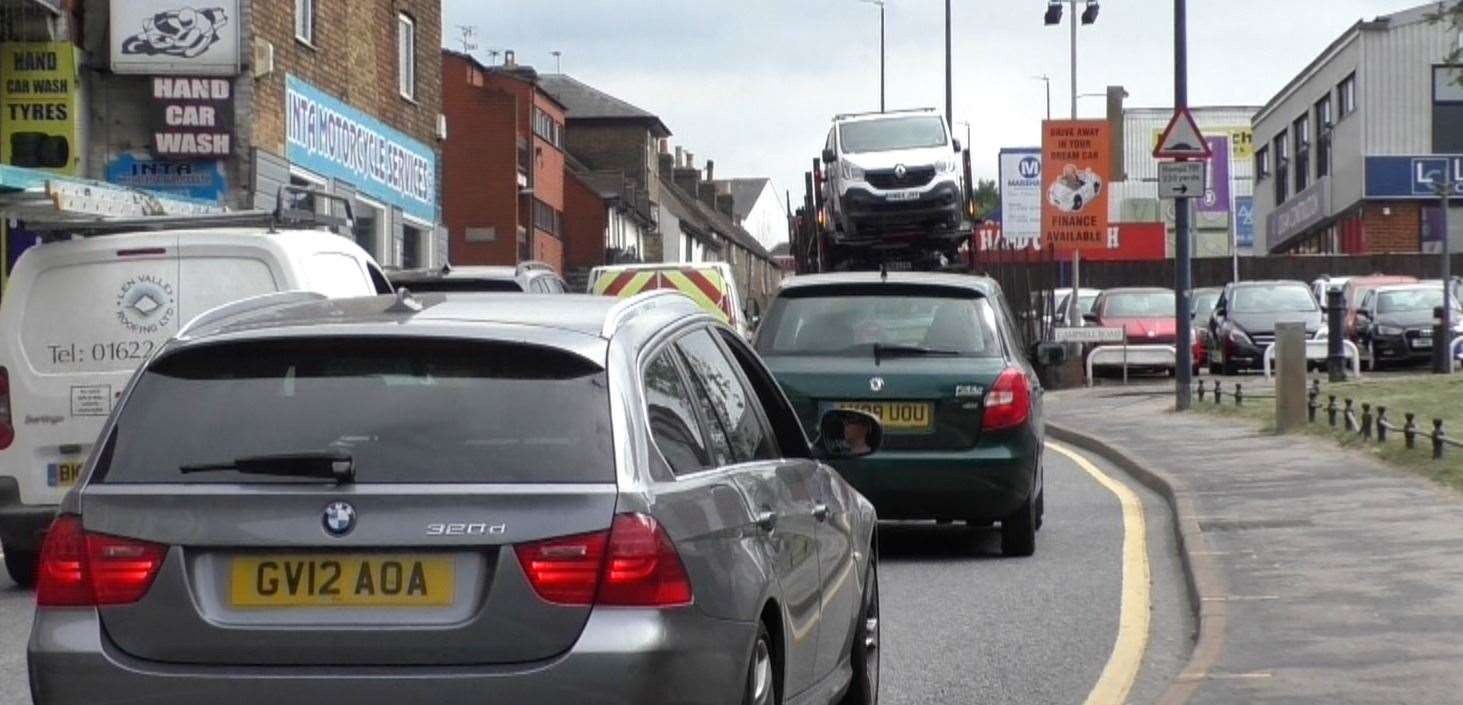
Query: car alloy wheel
x=761, y=688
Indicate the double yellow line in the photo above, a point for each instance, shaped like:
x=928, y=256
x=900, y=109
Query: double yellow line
x=1122, y=666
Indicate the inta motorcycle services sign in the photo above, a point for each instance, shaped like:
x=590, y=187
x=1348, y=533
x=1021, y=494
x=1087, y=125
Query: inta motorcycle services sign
x=192, y=117
x=171, y=37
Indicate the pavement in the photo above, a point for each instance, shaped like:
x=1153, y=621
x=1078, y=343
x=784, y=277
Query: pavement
x=1323, y=576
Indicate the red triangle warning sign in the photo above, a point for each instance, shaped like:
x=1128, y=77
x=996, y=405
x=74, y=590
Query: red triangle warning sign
x=1182, y=139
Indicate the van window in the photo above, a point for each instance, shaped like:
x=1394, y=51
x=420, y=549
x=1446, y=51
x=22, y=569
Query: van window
x=105, y=316
x=407, y=410
x=209, y=282
x=338, y=275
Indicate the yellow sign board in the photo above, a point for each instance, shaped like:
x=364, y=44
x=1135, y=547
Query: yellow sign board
x=1241, y=140
x=38, y=106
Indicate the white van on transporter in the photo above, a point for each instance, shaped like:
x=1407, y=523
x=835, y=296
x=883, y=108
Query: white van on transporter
x=80, y=315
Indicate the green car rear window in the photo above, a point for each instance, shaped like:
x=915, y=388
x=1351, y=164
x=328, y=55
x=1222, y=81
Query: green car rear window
x=850, y=321
x=405, y=410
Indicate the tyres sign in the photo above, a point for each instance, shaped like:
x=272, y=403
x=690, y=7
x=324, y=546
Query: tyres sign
x=38, y=88
x=1075, y=166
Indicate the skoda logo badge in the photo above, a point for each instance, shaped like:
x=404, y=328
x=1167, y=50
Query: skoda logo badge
x=900, y=172
x=876, y=384
x=339, y=518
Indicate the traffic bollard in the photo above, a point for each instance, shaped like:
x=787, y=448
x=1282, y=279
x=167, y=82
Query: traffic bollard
x=1349, y=417
x=1366, y=421
x=1381, y=424
x=1438, y=437
x=1331, y=410
x=1409, y=431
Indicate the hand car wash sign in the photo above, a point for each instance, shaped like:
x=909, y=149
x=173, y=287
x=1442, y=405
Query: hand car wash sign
x=193, y=117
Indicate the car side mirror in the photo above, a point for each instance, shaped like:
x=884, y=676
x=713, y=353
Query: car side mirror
x=1050, y=354
x=829, y=156
x=958, y=146
x=1089, y=317
x=1363, y=313
x=848, y=433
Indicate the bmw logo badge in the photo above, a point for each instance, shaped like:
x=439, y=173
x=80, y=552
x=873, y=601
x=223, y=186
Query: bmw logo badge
x=339, y=519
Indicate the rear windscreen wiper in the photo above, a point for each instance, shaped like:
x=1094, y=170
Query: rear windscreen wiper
x=882, y=351
x=326, y=466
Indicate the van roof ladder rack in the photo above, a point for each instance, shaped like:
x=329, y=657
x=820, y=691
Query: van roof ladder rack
x=285, y=214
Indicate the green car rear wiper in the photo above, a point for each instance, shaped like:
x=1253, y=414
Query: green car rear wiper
x=881, y=351
x=339, y=467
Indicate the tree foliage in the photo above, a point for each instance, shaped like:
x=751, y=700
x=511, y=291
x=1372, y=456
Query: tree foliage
x=987, y=197
x=1452, y=15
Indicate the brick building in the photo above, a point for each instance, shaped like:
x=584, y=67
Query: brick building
x=504, y=175
x=342, y=95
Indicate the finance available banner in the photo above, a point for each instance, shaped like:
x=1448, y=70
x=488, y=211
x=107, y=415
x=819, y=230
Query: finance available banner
x=1075, y=172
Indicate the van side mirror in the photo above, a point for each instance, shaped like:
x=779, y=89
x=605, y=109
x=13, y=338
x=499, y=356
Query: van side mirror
x=958, y=146
x=829, y=156
x=1050, y=354
x=848, y=433
x=1090, y=317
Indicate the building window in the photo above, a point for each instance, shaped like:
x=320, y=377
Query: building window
x=1301, y=132
x=547, y=128
x=547, y=218
x=406, y=56
x=415, y=246
x=1346, y=95
x=305, y=21
x=1323, y=136
x=1447, y=109
x=1262, y=163
x=1282, y=165
x=370, y=227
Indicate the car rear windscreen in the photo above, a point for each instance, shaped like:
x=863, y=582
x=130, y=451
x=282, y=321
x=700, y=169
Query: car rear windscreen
x=851, y=321
x=461, y=285
x=406, y=410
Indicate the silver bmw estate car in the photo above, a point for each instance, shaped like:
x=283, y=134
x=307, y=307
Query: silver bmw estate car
x=460, y=499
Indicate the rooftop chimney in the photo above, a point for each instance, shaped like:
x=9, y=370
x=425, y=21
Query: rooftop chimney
x=710, y=170
x=510, y=58
x=680, y=156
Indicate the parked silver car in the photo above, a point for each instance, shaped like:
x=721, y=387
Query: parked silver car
x=460, y=499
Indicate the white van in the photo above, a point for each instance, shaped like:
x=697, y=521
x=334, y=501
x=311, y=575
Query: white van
x=79, y=316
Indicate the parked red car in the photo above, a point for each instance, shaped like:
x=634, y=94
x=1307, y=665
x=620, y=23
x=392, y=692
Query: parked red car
x=1146, y=315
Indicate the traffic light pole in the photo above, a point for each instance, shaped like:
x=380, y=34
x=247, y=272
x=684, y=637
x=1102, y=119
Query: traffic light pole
x=1183, y=360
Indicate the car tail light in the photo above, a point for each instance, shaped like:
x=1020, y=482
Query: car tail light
x=634, y=564
x=643, y=568
x=78, y=569
x=565, y=571
x=1008, y=403
x=7, y=423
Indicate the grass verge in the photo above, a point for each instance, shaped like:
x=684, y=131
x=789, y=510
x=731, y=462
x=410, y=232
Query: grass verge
x=1426, y=396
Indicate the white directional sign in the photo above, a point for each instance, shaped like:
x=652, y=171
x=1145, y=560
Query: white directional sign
x=1182, y=179
x=1088, y=335
x=1182, y=139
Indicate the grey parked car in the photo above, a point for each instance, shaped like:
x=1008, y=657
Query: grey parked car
x=460, y=499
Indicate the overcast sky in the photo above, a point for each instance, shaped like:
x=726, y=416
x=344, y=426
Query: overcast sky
x=753, y=84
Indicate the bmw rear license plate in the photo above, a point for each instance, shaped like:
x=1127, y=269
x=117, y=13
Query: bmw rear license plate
x=897, y=415
x=903, y=196
x=342, y=580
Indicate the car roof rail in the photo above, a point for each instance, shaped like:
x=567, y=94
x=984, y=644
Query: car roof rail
x=628, y=309
x=531, y=265
x=285, y=214
x=251, y=304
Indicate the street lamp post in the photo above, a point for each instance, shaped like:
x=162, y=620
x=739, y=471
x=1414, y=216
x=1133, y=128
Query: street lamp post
x=1048, y=81
x=1443, y=359
x=882, y=53
x=1053, y=17
x=949, y=90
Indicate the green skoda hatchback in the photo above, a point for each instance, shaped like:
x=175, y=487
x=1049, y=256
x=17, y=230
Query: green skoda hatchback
x=936, y=357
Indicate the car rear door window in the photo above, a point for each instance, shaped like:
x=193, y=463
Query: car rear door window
x=406, y=410
x=726, y=400
x=673, y=422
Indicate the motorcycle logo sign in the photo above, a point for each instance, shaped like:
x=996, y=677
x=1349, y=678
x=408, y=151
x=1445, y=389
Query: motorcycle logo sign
x=171, y=37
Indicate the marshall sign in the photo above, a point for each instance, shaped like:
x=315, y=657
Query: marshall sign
x=193, y=117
